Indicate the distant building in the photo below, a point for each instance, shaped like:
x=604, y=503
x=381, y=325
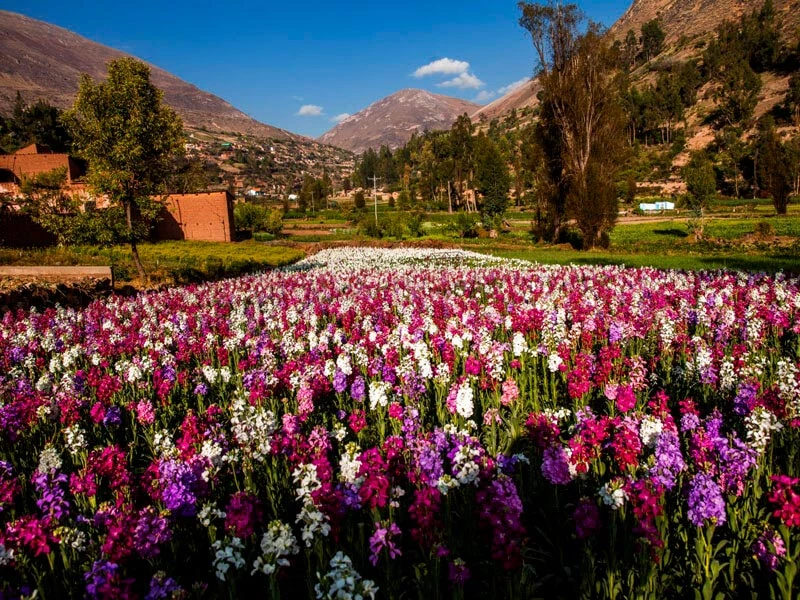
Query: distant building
x=34, y=160
x=656, y=206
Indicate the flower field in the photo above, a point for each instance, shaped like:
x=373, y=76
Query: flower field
x=407, y=424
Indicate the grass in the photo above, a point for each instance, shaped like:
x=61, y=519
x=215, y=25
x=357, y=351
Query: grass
x=165, y=262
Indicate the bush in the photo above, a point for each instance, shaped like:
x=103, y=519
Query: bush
x=464, y=225
x=763, y=229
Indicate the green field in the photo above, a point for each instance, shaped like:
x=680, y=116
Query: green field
x=165, y=262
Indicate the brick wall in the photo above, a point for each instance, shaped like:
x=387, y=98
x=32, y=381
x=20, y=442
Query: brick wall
x=206, y=216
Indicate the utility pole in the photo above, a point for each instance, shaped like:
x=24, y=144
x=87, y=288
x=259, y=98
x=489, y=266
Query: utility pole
x=375, y=181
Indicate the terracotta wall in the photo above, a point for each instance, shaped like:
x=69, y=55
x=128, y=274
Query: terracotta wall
x=207, y=216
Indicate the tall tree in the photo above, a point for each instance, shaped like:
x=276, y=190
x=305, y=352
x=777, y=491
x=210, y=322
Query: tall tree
x=130, y=139
x=775, y=169
x=701, y=186
x=582, y=123
x=491, y=177
x=653, y=37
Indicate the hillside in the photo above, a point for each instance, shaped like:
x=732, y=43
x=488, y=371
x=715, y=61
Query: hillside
x=43, y=61
x=697, y=18
x=686, y=24
x=523, y=97
x=394, y=119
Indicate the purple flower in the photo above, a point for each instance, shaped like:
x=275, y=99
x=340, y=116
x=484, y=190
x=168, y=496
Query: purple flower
x=104, y=581
x=457, y=572
x=178, y=480
x=162, y=587
x=339, y=381
x=201, y=389
x=555, y=465
x=745, y=399
x=706, y=501
x=152, y=530
x=52, y=487
x=113, y=417
x=382, y=540
x=358, y=389
x=669, y=460
x=769, y=549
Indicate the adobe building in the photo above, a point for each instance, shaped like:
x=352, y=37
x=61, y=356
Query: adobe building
x=207, y=216
x=33, y=160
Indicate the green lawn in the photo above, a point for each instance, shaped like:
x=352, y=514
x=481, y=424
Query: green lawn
x=165, y=262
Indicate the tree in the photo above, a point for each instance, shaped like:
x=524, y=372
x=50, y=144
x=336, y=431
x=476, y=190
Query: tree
x=652, y=39
x=130, y=139
x=581, y=126
x=793, y=98
x=774, y=165
x=360, y=200
x=491, y=177
x=701, y=185
x=630, y=49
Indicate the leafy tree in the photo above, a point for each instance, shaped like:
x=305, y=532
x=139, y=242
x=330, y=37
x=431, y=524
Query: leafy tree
x=630, y=49
x=250, y=217
x=46, y=201
x=653, y=37
x=581, y=121
x=130, y=138
x=491, y=177
x=701, y=185
x=793, y=98
x=775, y=169
x=360, y=200
x=39, y=123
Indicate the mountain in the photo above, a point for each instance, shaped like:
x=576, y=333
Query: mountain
x=687, y=25
x=523, y=97
x=697, y=18
x=394, y=119
x=43, y=61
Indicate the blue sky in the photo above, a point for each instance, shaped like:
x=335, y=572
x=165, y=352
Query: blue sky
x=272, y=59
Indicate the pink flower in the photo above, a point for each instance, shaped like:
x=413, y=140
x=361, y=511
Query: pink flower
x=510, y=392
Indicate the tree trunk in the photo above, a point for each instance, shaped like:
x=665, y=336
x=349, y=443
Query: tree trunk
x=134, y=250
x=449, y=199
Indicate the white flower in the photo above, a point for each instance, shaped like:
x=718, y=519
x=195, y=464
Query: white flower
x=74, y=439
x=344, y=582
x=378, y=394
x=554, y=361
x=313, y=522
x=49, y=460
x=276, y=544
x=464, y=400
x=613, y=495
x=649, y=430
x=759, y=426
x=227, y=555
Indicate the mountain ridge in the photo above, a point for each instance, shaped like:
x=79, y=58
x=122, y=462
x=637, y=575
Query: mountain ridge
x=392, y=120
x=42, y=61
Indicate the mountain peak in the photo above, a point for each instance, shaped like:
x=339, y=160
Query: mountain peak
x=392, y=120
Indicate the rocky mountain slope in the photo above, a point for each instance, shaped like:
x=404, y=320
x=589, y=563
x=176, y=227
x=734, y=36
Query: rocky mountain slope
x=43, y=61
x=687, y=24
x=697, y=18
x=394, y=119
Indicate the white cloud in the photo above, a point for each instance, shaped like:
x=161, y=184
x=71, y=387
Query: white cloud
x=310, y=110
x=484, y=96
x=465, y=81
x=339, y=118
x=298, y=98
x=512, y=86
x=443, y=66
